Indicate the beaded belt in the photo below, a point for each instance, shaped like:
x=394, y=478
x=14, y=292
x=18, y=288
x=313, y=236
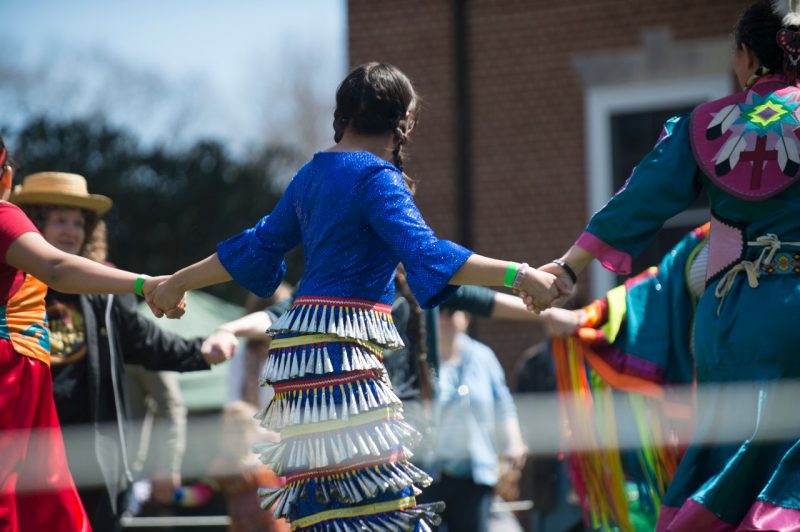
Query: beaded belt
x=769, y=261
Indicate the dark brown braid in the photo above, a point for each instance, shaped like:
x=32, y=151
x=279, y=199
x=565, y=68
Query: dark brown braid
x=416, y=334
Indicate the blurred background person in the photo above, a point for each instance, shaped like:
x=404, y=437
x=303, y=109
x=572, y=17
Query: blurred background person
x=473, y=406
x=91, y=337
x=158, y=418
x=239, y=474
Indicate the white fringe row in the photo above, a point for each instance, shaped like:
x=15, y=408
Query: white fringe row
x=329, y=448
x=350, y=487
x=344, y=320
x=314, y=359
x=318, y=404
x=420, y=517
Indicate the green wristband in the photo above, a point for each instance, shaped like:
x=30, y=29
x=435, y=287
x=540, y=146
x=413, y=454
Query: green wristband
x=511, y=273
x=138, y=286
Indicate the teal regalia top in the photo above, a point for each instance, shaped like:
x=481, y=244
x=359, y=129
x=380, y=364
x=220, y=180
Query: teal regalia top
x=741, y=151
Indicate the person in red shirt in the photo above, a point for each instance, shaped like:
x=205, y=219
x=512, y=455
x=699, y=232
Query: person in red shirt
x=36, y=488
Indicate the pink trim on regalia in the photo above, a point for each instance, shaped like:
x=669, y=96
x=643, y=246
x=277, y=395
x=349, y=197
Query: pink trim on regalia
x=691, y=517
x=762, y=517
x=767, y=516
x=610, y=257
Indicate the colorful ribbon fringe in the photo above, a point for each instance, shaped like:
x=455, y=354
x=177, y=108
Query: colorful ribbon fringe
x=596, y=461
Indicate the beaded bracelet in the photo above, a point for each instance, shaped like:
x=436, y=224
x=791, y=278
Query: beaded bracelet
x=517, y=284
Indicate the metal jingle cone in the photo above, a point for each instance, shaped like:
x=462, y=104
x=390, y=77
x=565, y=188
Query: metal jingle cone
x=362, y=402
x=282, y=507
x=301, y=368
x=356, y=484
x=306, y=402
x=393, y=440
x=343, y=494
x=368, y=487
x=373, y=446
x=336, y=449
x=323, y=404
x=378, y=438
x=398, y=471
x=269, y=496
x=393, y=523
x=294, y=370
x=352, y=399
x=350, y=446
x=321, y=492
x=363, y=448
x=378, y=480
x=388, y=479
x=399, y=480
x=294, y=419
x=326, y=359
x=332, y=405
x=317, y=360
x=314, y=407
x=369, y=393
x=346, y=359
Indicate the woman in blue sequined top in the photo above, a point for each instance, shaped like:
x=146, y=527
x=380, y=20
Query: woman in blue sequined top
x=344, y=442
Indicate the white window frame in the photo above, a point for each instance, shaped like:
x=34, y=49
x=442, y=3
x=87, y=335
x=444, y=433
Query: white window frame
x=600, y=104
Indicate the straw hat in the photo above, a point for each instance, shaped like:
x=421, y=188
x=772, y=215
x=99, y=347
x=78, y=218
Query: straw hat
x=59, y=188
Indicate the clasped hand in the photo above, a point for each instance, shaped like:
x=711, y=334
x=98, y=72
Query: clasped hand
x=163, y=298
x=545, y=287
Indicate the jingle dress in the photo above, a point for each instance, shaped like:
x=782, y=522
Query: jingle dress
x=745, y=152
x=344, y=445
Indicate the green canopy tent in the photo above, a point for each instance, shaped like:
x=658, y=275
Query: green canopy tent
x=202, y=390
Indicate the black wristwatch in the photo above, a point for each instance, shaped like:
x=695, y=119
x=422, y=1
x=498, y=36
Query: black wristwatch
x=567, y=268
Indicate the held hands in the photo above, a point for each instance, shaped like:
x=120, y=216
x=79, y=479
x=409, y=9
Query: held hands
x=163, y=298
x=219, y=346
x=558, y=284
x=541, y=289
x=560, y=322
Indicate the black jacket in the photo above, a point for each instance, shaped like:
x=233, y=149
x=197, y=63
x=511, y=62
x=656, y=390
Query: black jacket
x=126, y=337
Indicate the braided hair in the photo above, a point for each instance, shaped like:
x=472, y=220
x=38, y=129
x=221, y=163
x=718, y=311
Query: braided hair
x=375, y=98
x=417, y=335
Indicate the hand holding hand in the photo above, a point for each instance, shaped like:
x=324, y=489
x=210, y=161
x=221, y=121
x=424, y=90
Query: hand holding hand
x=539, y=289
x=219, y=346
x=562, y=322
x=163, y=296
x=565, y=284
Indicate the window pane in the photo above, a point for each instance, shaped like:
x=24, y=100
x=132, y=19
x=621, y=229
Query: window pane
x=633, y=135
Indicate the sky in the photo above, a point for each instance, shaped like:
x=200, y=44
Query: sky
x=174, y=70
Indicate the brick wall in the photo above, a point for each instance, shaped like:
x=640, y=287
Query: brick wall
x=527, y=146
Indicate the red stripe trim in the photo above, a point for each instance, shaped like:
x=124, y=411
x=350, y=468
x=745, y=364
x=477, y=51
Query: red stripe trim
x=341, y=302
x=326, y=381
x=343, y=468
